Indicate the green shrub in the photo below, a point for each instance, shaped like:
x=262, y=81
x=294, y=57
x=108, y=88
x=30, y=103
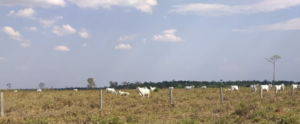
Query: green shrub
x=156, y=90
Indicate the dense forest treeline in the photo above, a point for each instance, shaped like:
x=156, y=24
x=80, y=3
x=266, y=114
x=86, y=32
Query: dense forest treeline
x=182, y=84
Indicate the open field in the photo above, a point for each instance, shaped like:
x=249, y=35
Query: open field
x=196, y=106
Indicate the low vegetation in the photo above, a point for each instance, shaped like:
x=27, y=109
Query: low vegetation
x=190, y=107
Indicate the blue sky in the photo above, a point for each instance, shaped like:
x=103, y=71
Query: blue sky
x=65, y=42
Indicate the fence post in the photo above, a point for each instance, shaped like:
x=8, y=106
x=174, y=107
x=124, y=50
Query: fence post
x=100, y=101
x=2, y=106
x=221, y=95
x=171, y=96
x=261, y=92
x=292, y=90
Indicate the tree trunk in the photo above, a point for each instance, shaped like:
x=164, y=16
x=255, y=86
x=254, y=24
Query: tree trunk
x=274, y=74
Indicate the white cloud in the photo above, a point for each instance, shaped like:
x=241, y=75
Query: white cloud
x=13, y=34
x=61, y=48
x=33, y=3
x=63, y=30
x=127, y=37
x=167, y=36
x=25, y=44
x=221, y=10
x=26, y=13
x=11, y=13
x=3, y=59
x=59, y=17
x=123, y=47
x=83, y=33
x=293, y=24
x=31, y=28
x=22, y=68
x=142, y=5
x=84, y=45
x=145, y=41
x=47, y=23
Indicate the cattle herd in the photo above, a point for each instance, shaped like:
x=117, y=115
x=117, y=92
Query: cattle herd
x=143, y=91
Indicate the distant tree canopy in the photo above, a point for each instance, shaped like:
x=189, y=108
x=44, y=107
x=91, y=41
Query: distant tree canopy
x=182, y=84
x=41, y=85
x=91, y=83
x=9, y=85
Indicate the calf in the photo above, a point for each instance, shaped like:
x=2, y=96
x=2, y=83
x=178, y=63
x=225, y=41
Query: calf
x=294, y=86
x=75, y=90
x=203, y=87
x=111, y=90
x=278, y=88
x=39, y=90
x=15, y=91
x=123, y=93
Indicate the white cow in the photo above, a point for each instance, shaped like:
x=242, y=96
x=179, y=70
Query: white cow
x=152, y=88
x=123, y=93
x=75, y=90
x=278, y=88
x=253, y=88
x=39, y=90
x=282, y=87
x=143, y=91
x=111, y=90
x=189, y=87
x=203, y=87
x=15, y=91
x=294, y=86
x=171, y=88
x=234, y=87
x=265, y=87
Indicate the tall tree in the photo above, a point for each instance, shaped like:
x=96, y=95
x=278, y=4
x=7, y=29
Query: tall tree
x=91, y=83
x=273, y=60
x=41, y=85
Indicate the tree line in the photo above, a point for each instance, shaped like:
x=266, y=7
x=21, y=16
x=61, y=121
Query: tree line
x=182, y=84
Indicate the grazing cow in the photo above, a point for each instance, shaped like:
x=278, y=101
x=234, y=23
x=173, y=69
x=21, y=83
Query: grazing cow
x=143, y=91
x=15, y=91
x=75, y=90
x=294, y=86
x=234, y=87
x=171, y=88
x=253, y=88
x=265, y=87
x=39, y=90
x=111, y=90
x=203, y=87
x=123, y=93
x=189, y=87
x=278, y=88
x=152, y=88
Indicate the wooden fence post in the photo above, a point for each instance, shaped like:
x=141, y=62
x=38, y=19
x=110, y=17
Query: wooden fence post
x=171, y=96
x=100, y=100
x=292, y=90
x=2, y=105
x=261, y=92
x=221, y=95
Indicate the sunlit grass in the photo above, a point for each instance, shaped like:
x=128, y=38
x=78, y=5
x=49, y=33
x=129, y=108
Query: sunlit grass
x=196, y=106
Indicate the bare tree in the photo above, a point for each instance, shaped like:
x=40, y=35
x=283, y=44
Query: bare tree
x=273, y=60
x=9, y=85
x=41, y=85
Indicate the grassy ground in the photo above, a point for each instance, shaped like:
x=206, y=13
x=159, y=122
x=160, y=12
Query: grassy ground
x=196, y=106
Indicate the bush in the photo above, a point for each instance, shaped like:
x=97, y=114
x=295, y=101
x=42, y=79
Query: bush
x=156, y=90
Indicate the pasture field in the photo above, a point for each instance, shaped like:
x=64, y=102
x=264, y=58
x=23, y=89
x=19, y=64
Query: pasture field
x=190, y=107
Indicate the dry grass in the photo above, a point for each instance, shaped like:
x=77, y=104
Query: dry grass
x=196, y=106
